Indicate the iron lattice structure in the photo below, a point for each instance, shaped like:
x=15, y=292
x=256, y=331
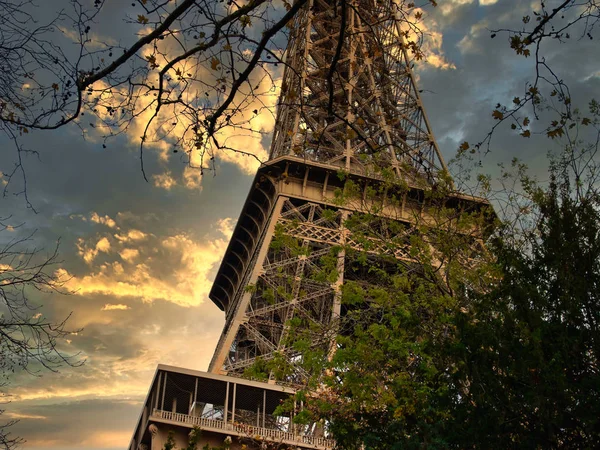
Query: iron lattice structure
x=349, y=98
x=348, y=103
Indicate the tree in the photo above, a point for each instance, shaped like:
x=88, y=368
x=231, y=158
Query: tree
x=390, y=381
x=531, y=357
x=28, y=340
x=406, y=259
x=498, y=355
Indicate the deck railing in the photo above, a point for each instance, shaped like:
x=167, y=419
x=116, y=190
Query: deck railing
x=245, y=430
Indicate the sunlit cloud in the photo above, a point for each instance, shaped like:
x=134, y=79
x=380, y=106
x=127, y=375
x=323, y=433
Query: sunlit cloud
x=192, y=178
x=129, y=254
x=124, y=372
x=164, y=180
x=131, y=235
x=448, y=7
x=89, y=253
x=112, y=307
x=191, y=264
x=226, y=226
x=104, y=220
x=241, y=141
x=21, y=416
x=433, y=39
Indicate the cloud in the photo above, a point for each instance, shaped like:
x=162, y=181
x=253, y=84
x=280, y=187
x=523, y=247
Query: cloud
x=192, y=178
x=103, y=245
x=449, y=7
x=63, y=425
x=226, y=226
x=129, y=254
x=432, y=45
x=104, y=220
x=89, y=253
x=131, y=235
x=118, y=307
x=164, y=180
x=94, y=40
x=241, y=140
x=122, y=351
x=20, y=416
x=191, y=264
x=472, y=42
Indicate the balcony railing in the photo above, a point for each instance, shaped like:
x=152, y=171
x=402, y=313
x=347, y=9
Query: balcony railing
x=244, y=430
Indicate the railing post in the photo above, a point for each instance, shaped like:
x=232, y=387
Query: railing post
x=264, y=408
x=195, y=394
x=226, y=403
x=158, y=390
x=162, y=404
x=233, y=405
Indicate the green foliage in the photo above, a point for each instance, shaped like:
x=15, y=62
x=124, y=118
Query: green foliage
x=503, y=354
x=170, y=443
x=443, y=343
x=193, y=441
x=257, y=371
x=391, y=380
x=530, y=346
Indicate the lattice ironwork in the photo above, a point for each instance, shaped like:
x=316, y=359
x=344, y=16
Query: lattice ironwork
x=348, y=96
x=295, y=280
x=356, y=109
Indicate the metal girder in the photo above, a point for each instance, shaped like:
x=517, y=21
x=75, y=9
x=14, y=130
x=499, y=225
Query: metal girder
x=268, y=309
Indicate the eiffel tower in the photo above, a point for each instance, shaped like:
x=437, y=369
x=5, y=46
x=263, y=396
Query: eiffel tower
x=348, y=104
x=349, y=112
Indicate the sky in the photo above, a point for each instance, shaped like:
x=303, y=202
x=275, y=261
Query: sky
x=140, y=256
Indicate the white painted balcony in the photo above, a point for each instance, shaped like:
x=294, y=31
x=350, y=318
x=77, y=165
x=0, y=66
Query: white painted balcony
x=243, y=430
x=223, y=407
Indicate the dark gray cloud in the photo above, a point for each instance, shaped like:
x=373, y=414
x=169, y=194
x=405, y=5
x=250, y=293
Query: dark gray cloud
x=460, y=102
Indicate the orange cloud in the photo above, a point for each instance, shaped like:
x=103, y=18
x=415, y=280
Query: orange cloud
x=89, y=253
x=432, y=38
x=104, y=220
x=191, y=266
x=243, y=139
x=129, y=254
x=111, y=307
x=131, y=235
